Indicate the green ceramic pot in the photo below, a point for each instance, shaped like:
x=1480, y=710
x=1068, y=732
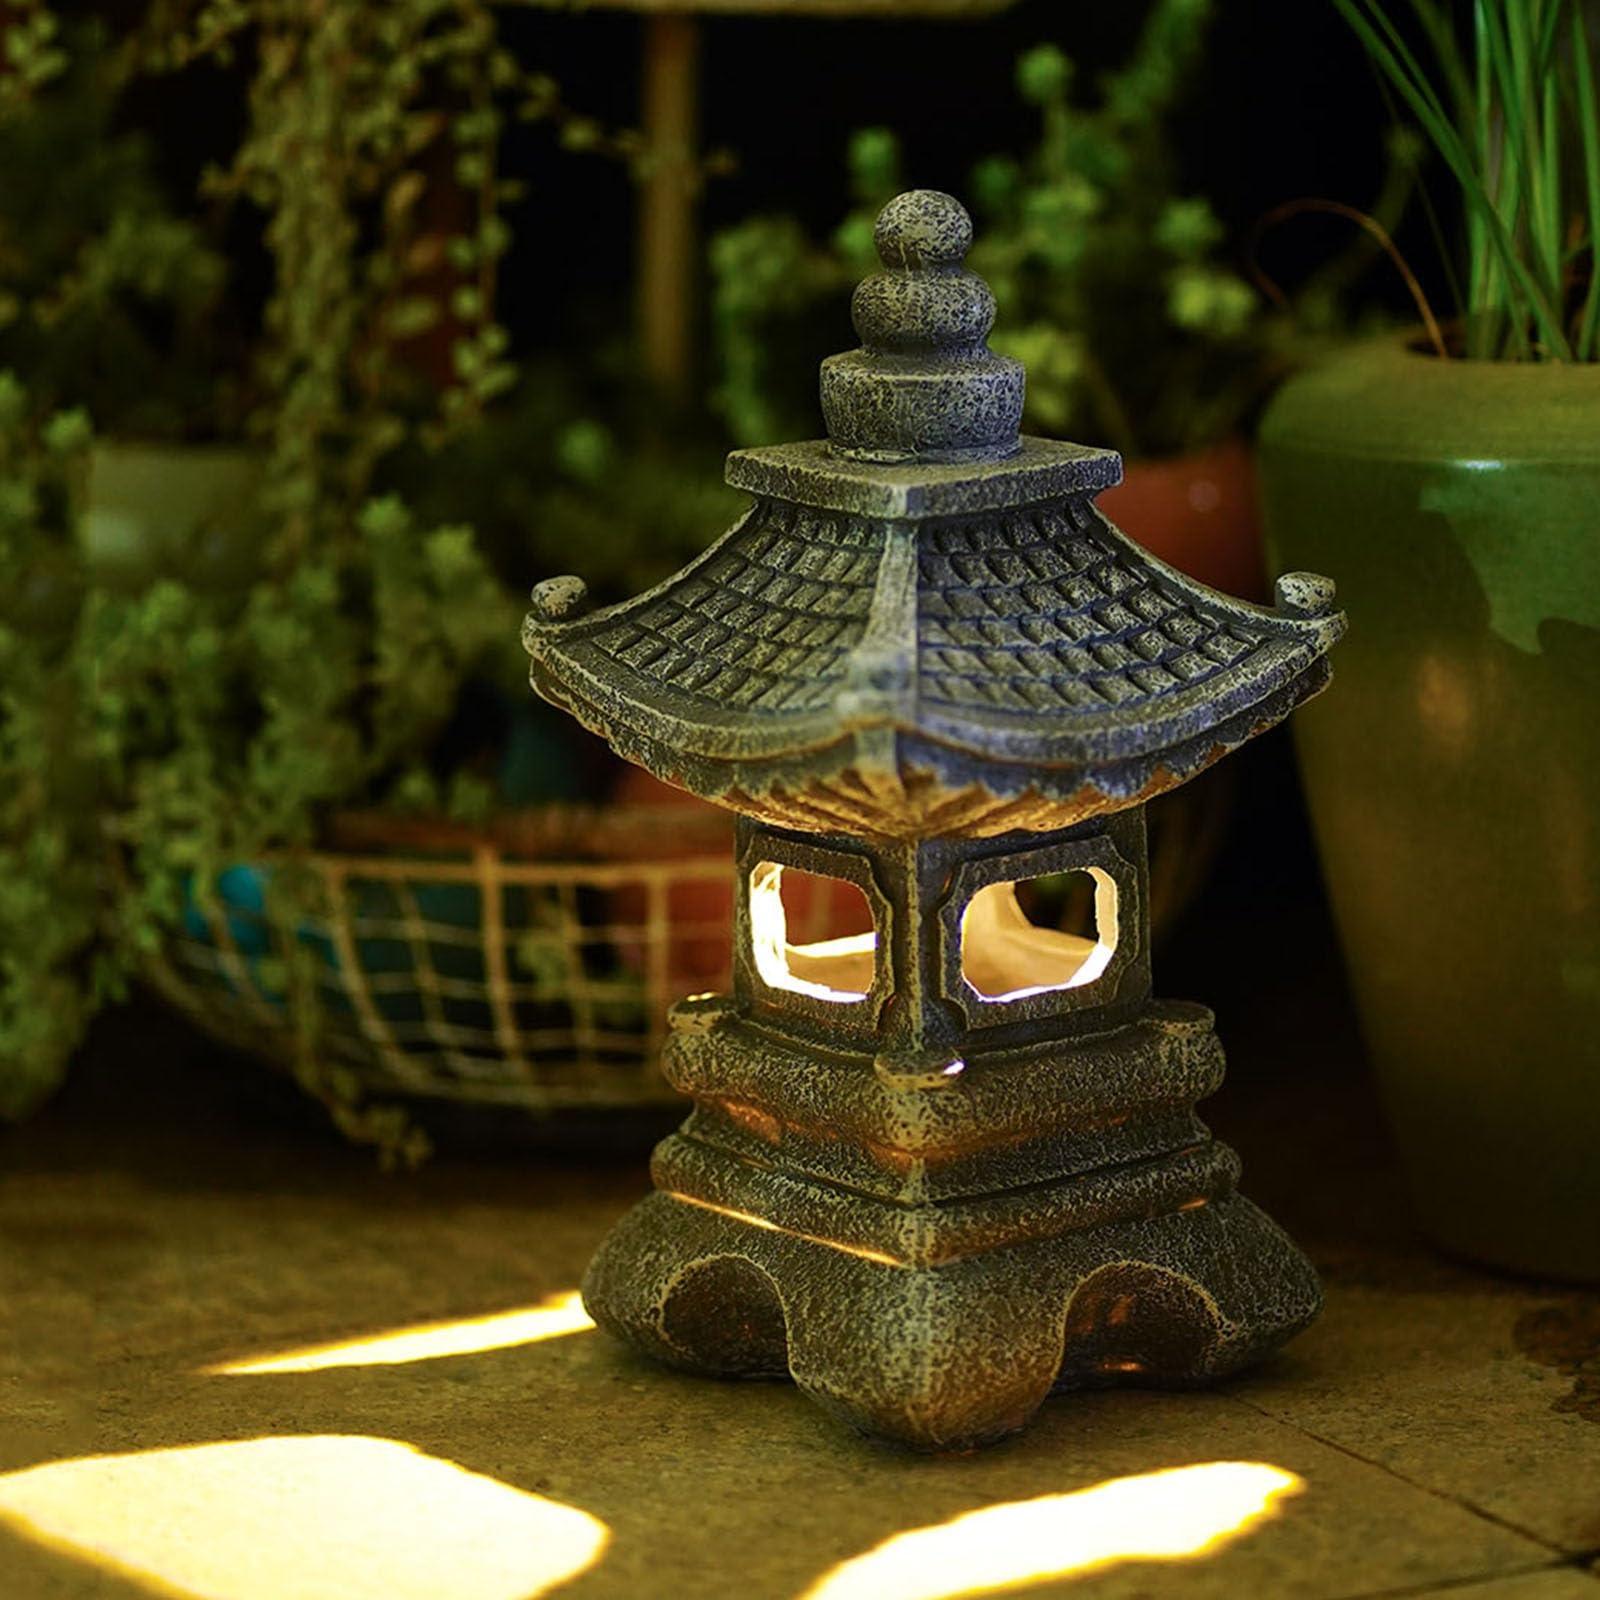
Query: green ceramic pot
x=1453, y=770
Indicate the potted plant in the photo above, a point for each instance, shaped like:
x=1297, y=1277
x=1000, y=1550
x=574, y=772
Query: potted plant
x=1137, y=330
x=1451, y=482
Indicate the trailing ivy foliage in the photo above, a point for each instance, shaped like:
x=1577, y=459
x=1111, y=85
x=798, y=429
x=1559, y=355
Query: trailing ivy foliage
x=215, y=709
x=102, y=280
x=31, y=52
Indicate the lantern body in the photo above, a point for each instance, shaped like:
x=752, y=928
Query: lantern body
x=937, y=1169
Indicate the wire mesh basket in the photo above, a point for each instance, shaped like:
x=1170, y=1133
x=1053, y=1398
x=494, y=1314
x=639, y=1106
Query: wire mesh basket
x=526, y=965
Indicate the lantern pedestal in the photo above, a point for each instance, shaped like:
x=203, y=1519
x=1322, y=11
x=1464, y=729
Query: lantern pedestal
x=920, y=1269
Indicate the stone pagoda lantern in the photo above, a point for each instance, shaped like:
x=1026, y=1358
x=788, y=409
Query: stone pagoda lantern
x=937, y=1169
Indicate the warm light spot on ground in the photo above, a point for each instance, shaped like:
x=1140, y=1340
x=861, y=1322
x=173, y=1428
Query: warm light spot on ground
x=313, y=1517
x=427, y=1341
x=1159, y=1516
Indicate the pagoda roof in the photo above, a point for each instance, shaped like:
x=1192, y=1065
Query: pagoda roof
x=1021, y=667
x=923, y=625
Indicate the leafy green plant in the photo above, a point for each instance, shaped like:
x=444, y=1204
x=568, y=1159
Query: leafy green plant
x=51, y=908
x=1111, y=285
x=157, y=732
x=30, y=51
x=109, y=296
x=1515, y=117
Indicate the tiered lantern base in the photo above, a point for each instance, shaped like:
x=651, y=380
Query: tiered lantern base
x=930, y=1265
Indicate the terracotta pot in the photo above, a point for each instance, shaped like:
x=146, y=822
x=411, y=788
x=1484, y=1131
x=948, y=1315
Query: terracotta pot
x=1454, y=768
x=1198, y=512
x=701, y=913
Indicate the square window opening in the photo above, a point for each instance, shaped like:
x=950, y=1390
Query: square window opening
x=811, y=934
x=1039, y=935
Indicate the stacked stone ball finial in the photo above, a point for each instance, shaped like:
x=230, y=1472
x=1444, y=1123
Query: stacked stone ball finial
x=924, y=387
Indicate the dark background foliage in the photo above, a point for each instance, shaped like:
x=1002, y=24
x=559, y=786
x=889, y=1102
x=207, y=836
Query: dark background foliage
x=1284, y=105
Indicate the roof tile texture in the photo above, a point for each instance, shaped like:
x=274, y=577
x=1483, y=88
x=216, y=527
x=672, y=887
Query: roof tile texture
x=1038, y=612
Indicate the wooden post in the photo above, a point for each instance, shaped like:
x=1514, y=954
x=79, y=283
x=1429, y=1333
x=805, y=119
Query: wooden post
x=669, y=184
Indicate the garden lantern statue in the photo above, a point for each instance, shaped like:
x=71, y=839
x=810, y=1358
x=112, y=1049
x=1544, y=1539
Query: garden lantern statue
x=939, y=1167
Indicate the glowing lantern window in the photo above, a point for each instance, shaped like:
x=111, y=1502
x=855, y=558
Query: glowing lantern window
x=1009, y=950
x=811, y=934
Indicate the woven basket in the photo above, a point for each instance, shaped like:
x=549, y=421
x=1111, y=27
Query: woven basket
x=526, y=965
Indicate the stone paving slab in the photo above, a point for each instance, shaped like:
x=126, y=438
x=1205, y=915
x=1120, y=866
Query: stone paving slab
x=709, y=1489
x=1549, y=1583
x=1436, y=1386
x=746, y=1490
x=1437, y=1448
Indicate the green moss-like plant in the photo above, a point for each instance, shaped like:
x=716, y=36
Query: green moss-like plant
x=51, y=907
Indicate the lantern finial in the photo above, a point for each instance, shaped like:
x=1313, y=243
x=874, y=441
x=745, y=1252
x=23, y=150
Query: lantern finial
x=923, y=228
x=924, y=386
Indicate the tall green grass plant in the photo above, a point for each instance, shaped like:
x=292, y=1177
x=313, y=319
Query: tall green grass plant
x=1505, y=92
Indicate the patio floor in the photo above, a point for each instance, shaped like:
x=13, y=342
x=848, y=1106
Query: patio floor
x=1437, y=1431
